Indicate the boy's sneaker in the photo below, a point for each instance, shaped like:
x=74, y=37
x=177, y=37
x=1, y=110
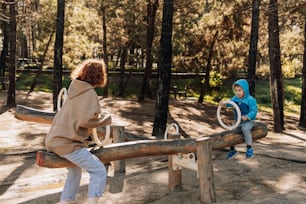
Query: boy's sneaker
x=249, y=153
x=232, y=154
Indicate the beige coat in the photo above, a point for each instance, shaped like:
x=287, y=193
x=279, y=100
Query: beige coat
x=80, y=112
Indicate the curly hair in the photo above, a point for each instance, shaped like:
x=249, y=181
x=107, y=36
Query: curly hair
x=92, y=71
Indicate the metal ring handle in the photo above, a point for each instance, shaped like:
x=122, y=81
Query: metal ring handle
x=169, y=126
x=96, y=138
x=62, y=95
x=238, y=115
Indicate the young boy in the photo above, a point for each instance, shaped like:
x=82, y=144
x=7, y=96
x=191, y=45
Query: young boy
x=248, y=107
x=70, y=129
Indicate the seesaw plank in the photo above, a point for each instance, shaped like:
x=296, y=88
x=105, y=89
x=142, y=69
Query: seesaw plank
x=33, y=115
x=126, y=150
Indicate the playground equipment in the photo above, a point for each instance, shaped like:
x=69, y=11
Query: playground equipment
x=181, y=152
x=180, y=160
x=61, y=98
x=238, y=112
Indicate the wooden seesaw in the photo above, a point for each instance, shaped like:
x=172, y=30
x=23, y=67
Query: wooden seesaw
x=174, y=146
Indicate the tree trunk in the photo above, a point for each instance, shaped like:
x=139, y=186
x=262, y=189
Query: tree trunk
x=105, y=55
x=42, y=60
x=146, y=89
x=11, y=95
x=23, y=45
x=253, y=46
x=5, y=44
x=123, y=58
x=58, y=51
x=276, y=76
x=209, y=60
x=164, y=71
x=302, y=122
x=206, y=85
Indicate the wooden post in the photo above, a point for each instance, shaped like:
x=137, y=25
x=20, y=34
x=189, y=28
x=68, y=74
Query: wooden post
x=118, y=136
x=174, y=176
x=205, y=171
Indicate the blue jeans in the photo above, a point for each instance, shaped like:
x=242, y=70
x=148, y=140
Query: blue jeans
x=97, y=173
x=246, y=127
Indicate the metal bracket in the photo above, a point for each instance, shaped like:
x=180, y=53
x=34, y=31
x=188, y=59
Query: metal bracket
x=188, y=161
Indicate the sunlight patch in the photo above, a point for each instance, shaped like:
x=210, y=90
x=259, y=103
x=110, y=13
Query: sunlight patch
x=252, y=163
x=288, y=182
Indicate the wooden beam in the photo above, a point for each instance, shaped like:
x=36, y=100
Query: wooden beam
x=126, y=150
x=134, y=149
x=230, y=138
x=33, y=115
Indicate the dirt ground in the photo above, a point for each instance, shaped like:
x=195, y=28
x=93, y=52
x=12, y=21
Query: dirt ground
x=276, y=174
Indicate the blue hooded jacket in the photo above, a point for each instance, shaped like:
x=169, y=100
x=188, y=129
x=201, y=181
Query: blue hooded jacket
x=247, y=104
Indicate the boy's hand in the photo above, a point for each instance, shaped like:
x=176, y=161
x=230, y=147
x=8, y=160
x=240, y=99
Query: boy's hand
x=222, y=103
x=244, y=118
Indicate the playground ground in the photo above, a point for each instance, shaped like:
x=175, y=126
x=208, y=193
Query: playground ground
x=275, y=175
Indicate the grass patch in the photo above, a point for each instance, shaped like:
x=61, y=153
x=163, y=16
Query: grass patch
x=44, y=82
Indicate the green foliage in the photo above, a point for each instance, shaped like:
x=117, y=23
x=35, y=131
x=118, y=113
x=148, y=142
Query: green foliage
x=263, y=99
x=215, y=79
x=200, y=28
x=293, y=91
x=99, y=91
x=82, y=33
x=43, y=26
x=44, y=82
x=262, y=92
x=288, y=70
x=218, y=95
x=23, y=82
x=66, y=81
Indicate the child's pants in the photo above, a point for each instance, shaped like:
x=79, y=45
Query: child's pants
x=246, y=127
x=97, y=172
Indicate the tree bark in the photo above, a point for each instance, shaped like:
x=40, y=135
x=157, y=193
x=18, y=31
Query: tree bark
x=5, y=44
x=146, y=89
x=58, y=51
x=253, y=46
x=42, y=60
x=11, y=95
x=23, y=41
x=302, y=122
x=123, y=80
x=164, y=71
x=209, y=60
x=105, y=55
x=206, y=85
x=276, y=76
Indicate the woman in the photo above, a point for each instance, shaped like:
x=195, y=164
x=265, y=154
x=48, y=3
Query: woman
x=70, y=128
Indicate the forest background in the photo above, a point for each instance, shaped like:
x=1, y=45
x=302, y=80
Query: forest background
x=211, y=42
